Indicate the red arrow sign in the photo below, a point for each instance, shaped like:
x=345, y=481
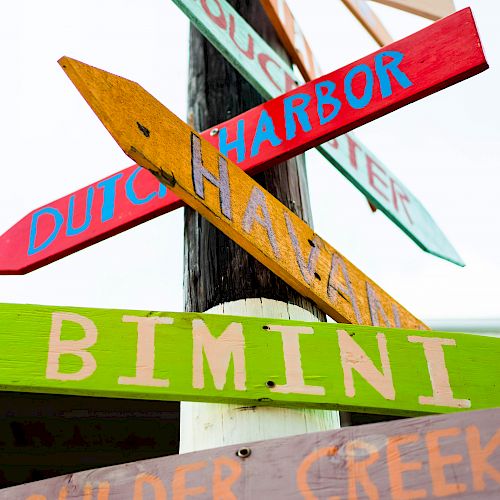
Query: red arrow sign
x=410, y=69
x=434, y=58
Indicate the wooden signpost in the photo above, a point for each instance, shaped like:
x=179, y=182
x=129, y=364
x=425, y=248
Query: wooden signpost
x=354, y=95
x=452, y=456
x=132, y=196
x=321, y=109
x=369, y=20
x=271, y=76
x=231, y=200
x=259, y=361
x=248, y=361
x=431, y=9
x=235, y=203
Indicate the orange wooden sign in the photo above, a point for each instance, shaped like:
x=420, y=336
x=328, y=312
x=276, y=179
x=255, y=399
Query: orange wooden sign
x=431, y=9
x=370, y=21
x=292, y=38
x=296, y=44
x=232, y=201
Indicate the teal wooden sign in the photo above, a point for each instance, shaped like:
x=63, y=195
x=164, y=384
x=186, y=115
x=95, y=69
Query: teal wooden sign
x=250, y=361
x=271, y=76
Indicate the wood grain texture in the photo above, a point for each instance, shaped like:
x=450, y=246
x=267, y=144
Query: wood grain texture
x=131, y=196
x=292, y=38
x=232, y=201
x=204, y=426
x=217, y=272
x=246, y=361
x=369, y=20
x=453, y=456
x=267, y=72
x=431, y=9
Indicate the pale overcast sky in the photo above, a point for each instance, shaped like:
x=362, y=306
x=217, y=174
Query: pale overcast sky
x=444, y=148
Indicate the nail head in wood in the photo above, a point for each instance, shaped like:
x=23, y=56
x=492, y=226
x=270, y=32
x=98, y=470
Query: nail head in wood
x=244, y=452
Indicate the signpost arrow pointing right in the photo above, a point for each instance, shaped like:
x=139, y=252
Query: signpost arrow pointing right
x=132, y=196
x=211, y=184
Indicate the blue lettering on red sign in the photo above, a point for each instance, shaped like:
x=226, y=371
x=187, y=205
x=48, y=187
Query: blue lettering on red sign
x=109, y=196
x=325, y=99
x=52, y=216
x=393, y=66
x=296, y=109
x=264, y=132
x=363, y=101
x=58, y=222
x=238, y=143
x=70, y=229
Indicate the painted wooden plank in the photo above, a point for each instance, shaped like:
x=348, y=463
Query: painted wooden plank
x=91, y=214
x=433, y=457
x=453, y=456
x=351, y=96
x=271, y=76
x=369, y=20
x=431, y=9
x=228, y=198
x=292, y=38
x=469, y=59
x=233, y=202
x=245, y=360
x=224, y=424
x=130, y=197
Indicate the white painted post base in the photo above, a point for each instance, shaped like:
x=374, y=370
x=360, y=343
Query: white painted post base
x=205, y=425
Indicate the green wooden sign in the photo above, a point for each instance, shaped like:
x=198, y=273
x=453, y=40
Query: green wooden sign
x=271, y=76
x=249, y=361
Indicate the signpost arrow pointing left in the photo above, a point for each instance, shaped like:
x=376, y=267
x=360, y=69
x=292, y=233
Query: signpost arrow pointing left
x=231, y=200
x=132, y=196
x=211, y=184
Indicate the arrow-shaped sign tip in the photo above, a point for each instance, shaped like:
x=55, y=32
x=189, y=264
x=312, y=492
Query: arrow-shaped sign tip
x=118, y=103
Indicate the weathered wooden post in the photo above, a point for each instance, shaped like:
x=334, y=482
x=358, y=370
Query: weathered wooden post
x=219, y=276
